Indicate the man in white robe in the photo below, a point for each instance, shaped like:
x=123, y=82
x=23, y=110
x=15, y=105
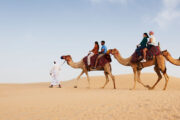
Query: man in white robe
x=54, y=73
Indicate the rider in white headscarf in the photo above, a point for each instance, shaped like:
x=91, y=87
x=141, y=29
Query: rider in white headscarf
x=54, y=73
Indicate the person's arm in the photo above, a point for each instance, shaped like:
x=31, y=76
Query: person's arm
x=51, y=71
x=140, y=44
x=144, y=42
x=93, y=48
x=150, y=40
x=102, y=50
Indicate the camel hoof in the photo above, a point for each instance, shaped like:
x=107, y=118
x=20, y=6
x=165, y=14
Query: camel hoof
x=75, y=86
x=101, y=87
x=132, y=89
x=150, y=88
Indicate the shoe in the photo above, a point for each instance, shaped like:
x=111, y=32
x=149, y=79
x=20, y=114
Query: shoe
x=51, y=86
x=94, y=68
x=140, y=58
x=143, y=60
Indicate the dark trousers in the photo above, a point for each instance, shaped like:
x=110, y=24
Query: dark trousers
x=138, y=50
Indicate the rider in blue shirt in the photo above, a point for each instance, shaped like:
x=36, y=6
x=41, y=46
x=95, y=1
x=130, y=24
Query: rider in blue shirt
x=103, y=48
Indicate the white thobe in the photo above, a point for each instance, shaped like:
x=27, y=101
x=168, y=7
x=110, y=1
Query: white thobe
x=89, y=58
x=54, y=74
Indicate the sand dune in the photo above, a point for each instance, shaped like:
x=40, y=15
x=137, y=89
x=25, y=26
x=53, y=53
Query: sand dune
x=38, y=102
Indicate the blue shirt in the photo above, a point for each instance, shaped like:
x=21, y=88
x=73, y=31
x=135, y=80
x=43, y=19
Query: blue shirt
x=104, y=48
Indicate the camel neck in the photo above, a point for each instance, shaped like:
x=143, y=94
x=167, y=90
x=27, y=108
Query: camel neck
x=172, y=60
x=121, y=60
x=75, y=64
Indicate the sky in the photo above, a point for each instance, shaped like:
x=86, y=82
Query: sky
x=34, y=33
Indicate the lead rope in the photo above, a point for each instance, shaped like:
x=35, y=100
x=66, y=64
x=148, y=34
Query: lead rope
x=63, y=63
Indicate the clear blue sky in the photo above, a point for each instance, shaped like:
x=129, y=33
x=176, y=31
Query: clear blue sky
x=33, y=33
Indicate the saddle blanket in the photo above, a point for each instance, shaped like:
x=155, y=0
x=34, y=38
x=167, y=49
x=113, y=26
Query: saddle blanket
x=154, y=51
x=101, y=62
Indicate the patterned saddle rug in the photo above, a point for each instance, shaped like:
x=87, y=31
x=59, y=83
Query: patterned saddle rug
x=154, y=51
x=101, y=62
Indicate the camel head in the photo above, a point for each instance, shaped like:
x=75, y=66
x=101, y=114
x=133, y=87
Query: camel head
x=66, y=58
x=114, y=51
x=165, y=53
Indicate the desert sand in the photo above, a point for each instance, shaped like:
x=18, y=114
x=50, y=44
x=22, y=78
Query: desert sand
x=38, y=102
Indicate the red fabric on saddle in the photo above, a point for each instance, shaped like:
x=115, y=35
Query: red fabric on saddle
x=101, y=62
x=154, y=51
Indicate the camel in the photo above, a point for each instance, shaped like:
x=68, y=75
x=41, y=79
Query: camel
x=157, y=61
x=80, y=65
x=169, y=58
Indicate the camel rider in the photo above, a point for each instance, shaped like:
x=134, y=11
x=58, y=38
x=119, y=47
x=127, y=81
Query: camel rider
x=93, y=52
x=103, y=52
x=103, y=48
x=142, y=45
x=151, y=42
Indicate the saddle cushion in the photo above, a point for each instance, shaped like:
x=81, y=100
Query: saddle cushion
x=101, y=62
x=153, y=51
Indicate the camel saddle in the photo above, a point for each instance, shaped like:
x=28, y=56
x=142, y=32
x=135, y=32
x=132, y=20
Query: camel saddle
x=154, y=51
x=101, y=62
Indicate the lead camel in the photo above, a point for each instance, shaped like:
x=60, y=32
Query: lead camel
x=80, y=65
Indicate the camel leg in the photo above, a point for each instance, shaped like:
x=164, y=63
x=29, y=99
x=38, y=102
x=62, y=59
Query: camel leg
x=107, y=69
x=166, y=82
x=107, y=79
x=156, y=69
x=162, y=67
x=139, y=79
x=88, y=79
x=78, y=79
x=163, y=70
x=113, y=79
x=135, y=79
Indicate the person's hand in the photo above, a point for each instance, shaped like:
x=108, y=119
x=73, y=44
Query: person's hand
x=138, y=45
